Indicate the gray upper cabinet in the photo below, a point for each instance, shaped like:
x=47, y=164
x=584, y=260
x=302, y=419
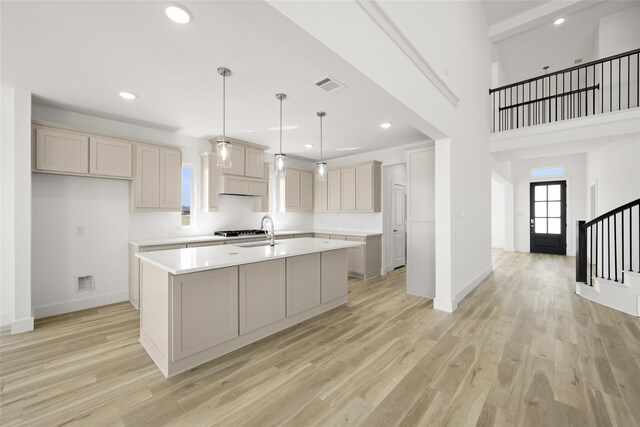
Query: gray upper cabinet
x=350, y=189
x=158, y=178
x=61, y=151
x=320, y=196
x=170, y=178
x=110, y=157
x=333, y=190
x=254, y=162
x=298, y=190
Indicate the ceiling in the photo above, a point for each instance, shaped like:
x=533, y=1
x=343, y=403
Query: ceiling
x=79, y=55
x=500, y=10
x=523, y=55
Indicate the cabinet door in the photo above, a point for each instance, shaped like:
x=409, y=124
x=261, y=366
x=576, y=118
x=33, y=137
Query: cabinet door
x=292, y=190
x=348, y=199
x=333, y=190
x=364, y=187
x=306, y=191
x=334, y=275
x=320, y=196
x=303, y=283
x=110, y=157
x=253, y=162
x=147, y=180
x=321, y=236
x=262, y=294
x=338, y=237
x=205, y=310
x=59, y=151
x=356, y=259
x=170, y=178
x=237, y=161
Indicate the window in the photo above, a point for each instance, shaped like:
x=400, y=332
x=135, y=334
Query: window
x=187, y=195
x=547, y=171
x=548, y=209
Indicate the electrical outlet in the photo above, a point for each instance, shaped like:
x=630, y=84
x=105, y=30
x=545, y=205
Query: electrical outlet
x=79, y=230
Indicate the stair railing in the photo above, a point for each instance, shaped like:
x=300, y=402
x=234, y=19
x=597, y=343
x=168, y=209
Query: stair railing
x=608, y=246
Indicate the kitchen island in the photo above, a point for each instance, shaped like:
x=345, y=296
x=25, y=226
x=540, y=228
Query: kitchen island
x=199, y=303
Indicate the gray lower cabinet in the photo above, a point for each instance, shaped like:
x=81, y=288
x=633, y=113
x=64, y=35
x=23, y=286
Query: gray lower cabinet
x=303, y=283
x=333, y=279
x=205, y=310
x=262, y=294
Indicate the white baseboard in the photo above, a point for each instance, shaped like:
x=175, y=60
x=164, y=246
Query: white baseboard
x=22, y=325
x=472, y=285
x=81, y=304
x=6, y=319
x=445, y=305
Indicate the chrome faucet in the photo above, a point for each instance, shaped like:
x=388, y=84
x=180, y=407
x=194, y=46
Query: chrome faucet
x=271, y=235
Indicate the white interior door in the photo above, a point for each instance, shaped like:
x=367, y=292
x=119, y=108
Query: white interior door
x=398, y=218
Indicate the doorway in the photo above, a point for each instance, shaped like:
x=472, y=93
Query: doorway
x=548, y=217
x=398, y=219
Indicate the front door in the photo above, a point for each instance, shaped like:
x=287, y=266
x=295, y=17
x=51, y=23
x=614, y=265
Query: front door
x=548, y=222
x=398, y=220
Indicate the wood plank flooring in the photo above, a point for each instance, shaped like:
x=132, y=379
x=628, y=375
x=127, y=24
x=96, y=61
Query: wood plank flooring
x=522, y=349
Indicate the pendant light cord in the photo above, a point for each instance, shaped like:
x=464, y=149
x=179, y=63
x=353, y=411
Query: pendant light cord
x=224, y=103
x=280, y=125
x=320, y=138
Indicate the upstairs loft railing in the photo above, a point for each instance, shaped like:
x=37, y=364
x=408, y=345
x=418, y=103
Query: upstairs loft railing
x=609, y=245
x=604, y=85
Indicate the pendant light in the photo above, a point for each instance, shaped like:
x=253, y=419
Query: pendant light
x=321, y=166
x=223, y=147
x=280, y=161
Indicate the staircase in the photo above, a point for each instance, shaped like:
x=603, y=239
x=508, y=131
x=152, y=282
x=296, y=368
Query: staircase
x=608, y=259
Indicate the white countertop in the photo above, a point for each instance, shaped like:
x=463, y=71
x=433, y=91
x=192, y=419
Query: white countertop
x=191, y=260
x=213, y=238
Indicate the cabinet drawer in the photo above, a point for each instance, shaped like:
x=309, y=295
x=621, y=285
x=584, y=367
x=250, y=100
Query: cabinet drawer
x=321, y=236
x=356, y=239
x=338, y=237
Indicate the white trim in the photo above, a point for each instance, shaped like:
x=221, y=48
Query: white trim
x=445, y=305
x=81, y=304
x=22, y=325
x=377, y=15
x=6, y=319
x=473, y=284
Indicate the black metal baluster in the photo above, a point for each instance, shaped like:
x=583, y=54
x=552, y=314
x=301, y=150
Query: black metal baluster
x=493, y=114
x=631, y=238
x=610, y=86
x=570, y=96
x=615, y=248
x=619, y=84
x=517, y=108
x=591, y=257
x=602, y=87
x=593, y=92
x=638, y=80
x=596, y=249
x=602, y=252
x=628, y=82
x=622, y=252
x=549, y=78
x=562, y=100
x=608, y=249
x=556, y=93
x=529, y=107
x=579, y=96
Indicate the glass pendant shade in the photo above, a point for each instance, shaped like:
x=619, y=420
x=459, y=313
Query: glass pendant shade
x=321, y=171
x=280, y=164
x=223, y=151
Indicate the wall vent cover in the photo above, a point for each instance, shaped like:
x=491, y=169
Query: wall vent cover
x=578, y=61
x=85, y=283
x=330, y=84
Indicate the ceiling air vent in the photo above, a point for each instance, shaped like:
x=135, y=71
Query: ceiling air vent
x=330, y=84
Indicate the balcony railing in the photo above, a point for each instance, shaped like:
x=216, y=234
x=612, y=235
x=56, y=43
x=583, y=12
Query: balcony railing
x=604, y=85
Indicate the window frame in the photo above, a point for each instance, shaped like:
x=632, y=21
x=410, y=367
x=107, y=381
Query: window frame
x=192, y=208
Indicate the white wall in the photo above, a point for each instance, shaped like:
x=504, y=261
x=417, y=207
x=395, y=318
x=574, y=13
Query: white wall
x=497, y=214
x=619, y=32
x=15, y=217
x=575, y=175
x=615, y=169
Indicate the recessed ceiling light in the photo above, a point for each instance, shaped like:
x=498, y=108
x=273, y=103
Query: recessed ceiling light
x=385, y=125
x=284, y=127
x=347, y=148
x=558, y=21
x=128, y=96
x=308, y=145
x=178, y=14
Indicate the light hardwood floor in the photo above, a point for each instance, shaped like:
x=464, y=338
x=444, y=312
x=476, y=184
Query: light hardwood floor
x=522, y=349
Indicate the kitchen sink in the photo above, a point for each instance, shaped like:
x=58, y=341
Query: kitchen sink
x=255, y=244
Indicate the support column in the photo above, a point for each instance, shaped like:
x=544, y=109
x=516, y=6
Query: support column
x=15, y=216
x=444, y=298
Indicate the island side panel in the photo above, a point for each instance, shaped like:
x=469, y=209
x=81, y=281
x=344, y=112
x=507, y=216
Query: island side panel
x=334, y=271
x=154, y=313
